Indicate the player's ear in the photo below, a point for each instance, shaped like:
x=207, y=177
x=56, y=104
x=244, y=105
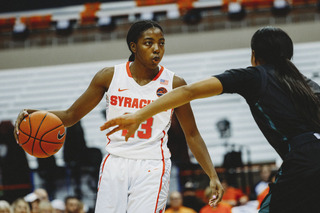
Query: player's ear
x=133, y=47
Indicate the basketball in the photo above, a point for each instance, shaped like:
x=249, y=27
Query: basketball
x=41, y=134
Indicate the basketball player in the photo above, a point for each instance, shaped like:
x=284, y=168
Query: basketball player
x=134, y=175
x=284, y=107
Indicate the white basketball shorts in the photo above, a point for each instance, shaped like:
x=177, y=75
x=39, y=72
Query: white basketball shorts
x=132, y=185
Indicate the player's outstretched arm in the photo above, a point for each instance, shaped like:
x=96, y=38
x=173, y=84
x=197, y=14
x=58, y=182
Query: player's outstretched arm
x=83, y=105
x=175, y=98
x=199, y=150
x=197, y=146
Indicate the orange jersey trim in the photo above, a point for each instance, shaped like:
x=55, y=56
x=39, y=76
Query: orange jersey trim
x=104, y=162
x=163, y=170
x=155, y=78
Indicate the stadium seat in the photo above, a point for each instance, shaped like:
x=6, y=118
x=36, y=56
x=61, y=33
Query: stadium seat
x=6, y=24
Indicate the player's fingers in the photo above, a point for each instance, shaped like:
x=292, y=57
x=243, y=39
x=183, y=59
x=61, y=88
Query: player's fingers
x=214, y=200
x=218, y=197
x=106, y=126
x=16, y=133
x=22, y=114
x=114, y=130
x=217, y=191
x=129, y=133
x=103, y=127
x=110, y=123
x=127, y=137
x=16, y=129
x=211, y=202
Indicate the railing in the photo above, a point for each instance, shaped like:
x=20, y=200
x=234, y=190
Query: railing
x=109, y=21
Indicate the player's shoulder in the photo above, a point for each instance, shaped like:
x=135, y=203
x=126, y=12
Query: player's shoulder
x=104, y=76
x=105, y=73
x=178, y=81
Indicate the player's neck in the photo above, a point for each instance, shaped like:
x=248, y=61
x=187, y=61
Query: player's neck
x=142, y=74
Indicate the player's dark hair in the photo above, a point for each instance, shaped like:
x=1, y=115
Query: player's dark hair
x=136, y=30
x=273, y=46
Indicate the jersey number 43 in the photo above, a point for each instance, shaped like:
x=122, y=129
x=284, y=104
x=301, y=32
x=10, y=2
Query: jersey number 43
x=144, y=131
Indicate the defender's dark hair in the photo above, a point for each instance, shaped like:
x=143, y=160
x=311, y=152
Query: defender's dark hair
x=273, y=46
x=136, y=30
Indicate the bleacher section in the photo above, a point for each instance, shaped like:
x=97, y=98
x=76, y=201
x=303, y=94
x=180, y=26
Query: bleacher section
x=57, y=87
x=97, y=21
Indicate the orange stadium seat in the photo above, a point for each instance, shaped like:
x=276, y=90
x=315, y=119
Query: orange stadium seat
x=88, y=16
x=303, y=2
x=257, y=4
x=6, y=24
x=249, y=4
x=37, y=22
x=185, y=4
x=154, y=2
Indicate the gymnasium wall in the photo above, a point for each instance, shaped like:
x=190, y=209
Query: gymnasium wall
x=56, y=87
x=175, y=44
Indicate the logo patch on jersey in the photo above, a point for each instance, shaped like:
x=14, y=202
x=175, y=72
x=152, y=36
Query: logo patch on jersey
x=161, y=91
x=164, y=82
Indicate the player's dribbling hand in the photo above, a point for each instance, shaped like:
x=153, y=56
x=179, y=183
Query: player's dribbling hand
x=22, y=114
x=217, y=192
x=128, y=122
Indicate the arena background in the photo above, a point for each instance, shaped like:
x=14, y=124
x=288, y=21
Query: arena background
x=50, y=71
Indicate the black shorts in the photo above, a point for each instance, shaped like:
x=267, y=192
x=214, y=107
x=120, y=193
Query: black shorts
x=297, y=186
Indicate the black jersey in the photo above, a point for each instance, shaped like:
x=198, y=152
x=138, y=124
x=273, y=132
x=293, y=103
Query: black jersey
x=270, y=105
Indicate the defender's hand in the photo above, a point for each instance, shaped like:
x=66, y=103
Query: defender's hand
x=128, y=122
x=217, y=191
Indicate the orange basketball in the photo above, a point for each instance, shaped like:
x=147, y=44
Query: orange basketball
x=41, y=134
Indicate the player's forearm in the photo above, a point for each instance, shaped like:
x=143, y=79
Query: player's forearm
x=180, y=96
x=171, y=100
x=200, y=152
x=64, y=116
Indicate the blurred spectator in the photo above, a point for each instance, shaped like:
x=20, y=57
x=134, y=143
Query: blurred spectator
x=261, y=196
x=58, y=206
x=72, y=204
x=74, y=151
x=5, y=206
x=83, y=208
x=48, y=171
x=265, y=172
x=20, y=206
x=33, y=201
x=176, y=206
x=222, y=207
x=81, y=160
x=249, y=207
x=190, y=198
x=14, y=167
x=42, y=194
x=45, y=207
x=264, y=193
x=232, y=195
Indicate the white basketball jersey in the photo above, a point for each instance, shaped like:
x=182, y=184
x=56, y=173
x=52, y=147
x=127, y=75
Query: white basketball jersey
x=125, y=95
